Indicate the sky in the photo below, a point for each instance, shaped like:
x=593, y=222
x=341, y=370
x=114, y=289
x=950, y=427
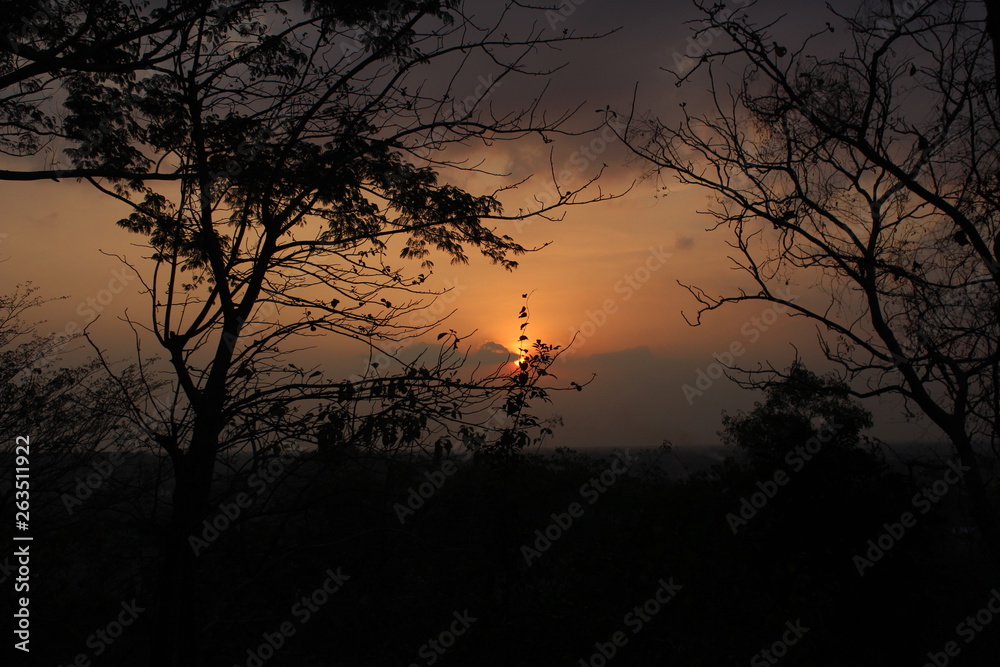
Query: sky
x=608, y=274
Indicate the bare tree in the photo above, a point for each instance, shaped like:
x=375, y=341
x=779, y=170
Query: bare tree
x=864, y=164
x=309, y=150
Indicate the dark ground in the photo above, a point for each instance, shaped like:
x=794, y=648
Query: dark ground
x=463, y=554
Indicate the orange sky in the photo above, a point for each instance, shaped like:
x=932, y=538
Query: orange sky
x=611, y=269
x=633, y=335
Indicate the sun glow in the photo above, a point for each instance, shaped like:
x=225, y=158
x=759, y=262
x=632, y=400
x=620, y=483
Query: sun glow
x=519, y=352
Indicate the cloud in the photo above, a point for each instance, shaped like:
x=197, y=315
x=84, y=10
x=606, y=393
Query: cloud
x=493, y=347
x=684, y=242
x=491, y=353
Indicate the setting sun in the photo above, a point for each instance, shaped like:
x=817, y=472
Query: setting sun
x=515, y=351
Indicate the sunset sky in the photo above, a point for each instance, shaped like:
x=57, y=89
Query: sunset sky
x=610, y=270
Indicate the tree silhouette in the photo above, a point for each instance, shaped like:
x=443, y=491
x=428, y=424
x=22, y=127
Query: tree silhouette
x=308, y=147
x=42, y=43
x=73, y=414
x=798, y=407
x=873, y=174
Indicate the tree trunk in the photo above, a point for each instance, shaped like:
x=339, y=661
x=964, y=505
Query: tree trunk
x=176, y=636
x=983, y=509
x=993, y=30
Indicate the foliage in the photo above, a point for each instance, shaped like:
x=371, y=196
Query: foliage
x=294, y=170
x=868, y=172
x=738, y=590
x=797, y=407
x=71, y=413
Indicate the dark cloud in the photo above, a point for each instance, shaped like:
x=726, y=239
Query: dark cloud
x=637, y=399
x=491, y=353
x=685, y=242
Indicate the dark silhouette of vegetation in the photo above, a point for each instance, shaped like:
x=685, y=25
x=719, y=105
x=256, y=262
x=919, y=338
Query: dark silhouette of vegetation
x=871, y=174
x=459, y=546
x=42, y=44
x=73, y=411
x=797, y=407
x=462, y=551
x=310, y=196
x=289, y=169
